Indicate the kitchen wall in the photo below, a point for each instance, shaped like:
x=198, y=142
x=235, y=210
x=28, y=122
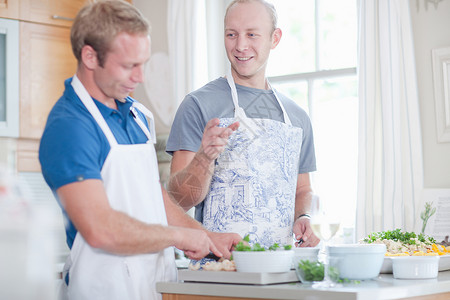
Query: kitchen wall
x=156, y=12
x=430, y=29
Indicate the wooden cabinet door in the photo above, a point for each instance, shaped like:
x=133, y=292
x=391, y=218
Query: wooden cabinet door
x=56, y=12
x=46, y=60
x=9, y=9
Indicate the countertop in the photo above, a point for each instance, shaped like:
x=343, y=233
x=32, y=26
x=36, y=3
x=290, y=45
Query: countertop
x=383, y=287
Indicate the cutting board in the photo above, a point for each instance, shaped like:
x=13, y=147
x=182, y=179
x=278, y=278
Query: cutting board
x=237, y=277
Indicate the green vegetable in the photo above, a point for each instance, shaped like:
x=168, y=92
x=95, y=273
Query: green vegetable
x=258, y=247
x=312, y=271
x=333, y=274
x=244, y=246
x=426, y=214
x=274, y=246
x=399, y=236
x=346, y=280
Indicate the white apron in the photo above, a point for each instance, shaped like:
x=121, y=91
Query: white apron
x=131, y=179
x=254, y=182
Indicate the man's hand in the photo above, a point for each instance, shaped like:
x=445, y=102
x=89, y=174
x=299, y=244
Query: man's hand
x=224, y=242
x=195, y=243
x=302, y=230
x=216, y=138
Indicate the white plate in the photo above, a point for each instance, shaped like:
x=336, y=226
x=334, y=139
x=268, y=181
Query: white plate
x=444, y=264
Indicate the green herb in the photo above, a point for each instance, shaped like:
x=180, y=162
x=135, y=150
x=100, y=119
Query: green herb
x=287, y=247
x=313, y=271
x=345, y=280
x=426, y=214
x=333, y=274
x=258, y=247
x=274, y=246
x=244, y=246
x=399, y=236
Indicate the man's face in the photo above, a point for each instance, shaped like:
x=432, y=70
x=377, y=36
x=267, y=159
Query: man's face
x=249, y=37
x=123, y=69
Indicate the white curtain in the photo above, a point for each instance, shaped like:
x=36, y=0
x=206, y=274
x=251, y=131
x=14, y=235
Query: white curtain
x=187, y=45
x=390, y=171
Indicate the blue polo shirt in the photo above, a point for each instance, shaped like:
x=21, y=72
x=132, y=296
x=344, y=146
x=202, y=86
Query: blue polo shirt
x=73, y=147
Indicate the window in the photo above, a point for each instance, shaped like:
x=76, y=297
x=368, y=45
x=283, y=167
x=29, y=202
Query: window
x=9, y=78
x=315, y=65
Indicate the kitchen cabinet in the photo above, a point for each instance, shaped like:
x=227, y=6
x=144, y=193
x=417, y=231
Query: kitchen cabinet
x=9, y=9
x=46, y=60
x=27, y=155
x=53, y=12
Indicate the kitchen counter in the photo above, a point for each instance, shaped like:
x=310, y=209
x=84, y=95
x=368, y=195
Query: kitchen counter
x=383, y=287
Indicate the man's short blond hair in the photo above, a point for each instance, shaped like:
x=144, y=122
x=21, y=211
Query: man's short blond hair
x=269, y=7
x=98, y=24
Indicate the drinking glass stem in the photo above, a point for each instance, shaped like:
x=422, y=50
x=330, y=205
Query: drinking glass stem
x=326, y=266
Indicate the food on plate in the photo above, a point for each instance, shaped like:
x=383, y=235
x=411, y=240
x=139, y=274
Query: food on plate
x=221, y=265
x=194, y=266
x=417, y=253
x=400, y=243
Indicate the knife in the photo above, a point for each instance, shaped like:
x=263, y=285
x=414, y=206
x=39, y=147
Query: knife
x=212, y=256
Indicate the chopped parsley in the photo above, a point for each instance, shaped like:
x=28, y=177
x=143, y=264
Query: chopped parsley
x=399, y=236
x=244, y=246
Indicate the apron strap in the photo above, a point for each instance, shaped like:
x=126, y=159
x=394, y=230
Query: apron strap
x=239, y=111
x=151, y=135
x=81, y=91
x=83, y=94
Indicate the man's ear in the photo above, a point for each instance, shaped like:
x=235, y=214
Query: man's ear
x=276, y=37
x=89, y=57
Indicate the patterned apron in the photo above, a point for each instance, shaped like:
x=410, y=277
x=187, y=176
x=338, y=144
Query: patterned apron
x=254, y=182
x=131, y=179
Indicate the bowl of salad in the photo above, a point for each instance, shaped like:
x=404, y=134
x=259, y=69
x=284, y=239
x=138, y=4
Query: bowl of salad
x=401, y=243
x=257, y=259
x=309, y=271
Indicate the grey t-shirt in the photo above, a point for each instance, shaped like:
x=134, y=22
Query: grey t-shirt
x=214, y=101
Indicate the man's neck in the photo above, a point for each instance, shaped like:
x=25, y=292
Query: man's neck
x=87, y=79
x=257, y=82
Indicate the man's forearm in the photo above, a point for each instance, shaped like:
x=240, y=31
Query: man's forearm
x=131, y=236
x=303, y=195
x=176, y=216
x=190, y=185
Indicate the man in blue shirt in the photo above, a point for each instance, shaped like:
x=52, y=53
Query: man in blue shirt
x=97, y=156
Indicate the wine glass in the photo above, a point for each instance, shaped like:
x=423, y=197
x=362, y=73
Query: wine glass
x=324, y=225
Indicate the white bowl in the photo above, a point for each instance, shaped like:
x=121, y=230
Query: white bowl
x=358, y=261
x=263, y=261
x=444, y=264
x=415, y=267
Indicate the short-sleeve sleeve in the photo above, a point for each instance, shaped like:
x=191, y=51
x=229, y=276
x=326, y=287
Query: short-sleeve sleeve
x=187, y=128
x=70, y=151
